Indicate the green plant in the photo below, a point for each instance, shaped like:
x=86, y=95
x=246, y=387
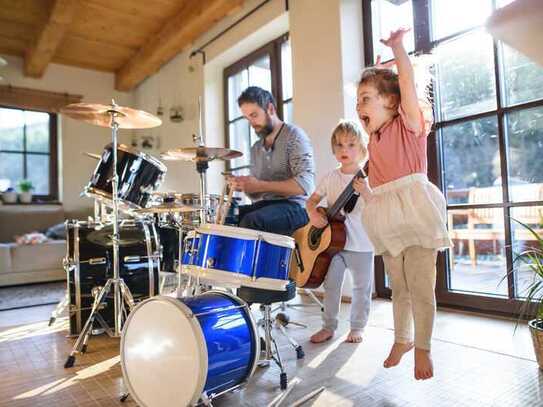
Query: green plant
x=25, y=185
x=533, y=259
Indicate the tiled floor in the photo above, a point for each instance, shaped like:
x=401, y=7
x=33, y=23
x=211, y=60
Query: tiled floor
x=478, y=362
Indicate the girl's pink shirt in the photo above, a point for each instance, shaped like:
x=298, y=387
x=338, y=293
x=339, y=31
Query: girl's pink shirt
x=396, y=151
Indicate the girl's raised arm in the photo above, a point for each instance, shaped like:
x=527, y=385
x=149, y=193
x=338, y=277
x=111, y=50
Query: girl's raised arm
x=409, y=102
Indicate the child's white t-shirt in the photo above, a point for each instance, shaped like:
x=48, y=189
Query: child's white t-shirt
x=330, y=188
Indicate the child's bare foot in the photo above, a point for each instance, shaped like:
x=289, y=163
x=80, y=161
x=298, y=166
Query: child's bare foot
x=355, y=336
x=424, y=368
x=396, y=353
x=322, y=336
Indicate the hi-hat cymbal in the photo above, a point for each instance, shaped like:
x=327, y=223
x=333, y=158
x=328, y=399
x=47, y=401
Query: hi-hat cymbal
x=92, y=155
x=169, y=207
x=201, y=153
x=100, y=115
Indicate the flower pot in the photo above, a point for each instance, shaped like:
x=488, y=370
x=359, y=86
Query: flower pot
x=9, y=197
x=536, y=329
x=25, y=197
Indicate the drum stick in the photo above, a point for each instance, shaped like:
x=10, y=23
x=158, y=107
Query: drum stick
x=282, y=396
x=221, y=203
x=307, y=397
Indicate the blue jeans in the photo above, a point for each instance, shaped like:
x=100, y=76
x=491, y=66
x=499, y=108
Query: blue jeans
x=275, y=216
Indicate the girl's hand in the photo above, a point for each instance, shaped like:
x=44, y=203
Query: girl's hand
x=396, y=37
x=317, y=218
x=386, y=65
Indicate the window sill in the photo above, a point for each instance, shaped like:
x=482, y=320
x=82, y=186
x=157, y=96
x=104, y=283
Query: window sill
x=31, y=203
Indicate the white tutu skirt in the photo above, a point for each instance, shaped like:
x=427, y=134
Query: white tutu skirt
x=409, y=211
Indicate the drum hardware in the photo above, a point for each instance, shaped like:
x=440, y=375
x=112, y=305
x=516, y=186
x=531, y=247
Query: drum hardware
x=114, y=117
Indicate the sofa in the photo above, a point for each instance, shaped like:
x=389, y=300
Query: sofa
x=24, y=264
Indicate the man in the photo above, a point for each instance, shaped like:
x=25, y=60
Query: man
x=282, y=172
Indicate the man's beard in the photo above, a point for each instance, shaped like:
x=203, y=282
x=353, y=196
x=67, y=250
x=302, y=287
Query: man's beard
x=267, y=129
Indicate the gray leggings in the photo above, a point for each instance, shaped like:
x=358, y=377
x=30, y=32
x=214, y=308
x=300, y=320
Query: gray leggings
x=361, y=266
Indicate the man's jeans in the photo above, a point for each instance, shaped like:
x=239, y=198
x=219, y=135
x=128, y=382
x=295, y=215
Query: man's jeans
x=275, y=216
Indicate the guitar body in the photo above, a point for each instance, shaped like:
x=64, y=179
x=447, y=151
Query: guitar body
x=316, y=252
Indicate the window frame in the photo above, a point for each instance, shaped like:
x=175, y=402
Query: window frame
x=422, y=15
x=273, y=49
x=53, y=157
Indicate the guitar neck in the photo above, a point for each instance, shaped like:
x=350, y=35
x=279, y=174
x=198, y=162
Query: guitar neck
x=344, y=197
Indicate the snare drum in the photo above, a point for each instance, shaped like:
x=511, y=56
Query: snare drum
x=235, y=256
x=139, y=175
x=193, y=219
x=199, y=347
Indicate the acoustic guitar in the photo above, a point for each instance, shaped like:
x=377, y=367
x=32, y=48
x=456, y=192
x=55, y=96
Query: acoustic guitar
x=315, y=247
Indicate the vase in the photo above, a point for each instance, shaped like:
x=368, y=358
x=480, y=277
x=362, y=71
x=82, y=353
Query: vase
x=25, y=197
x=9, y=197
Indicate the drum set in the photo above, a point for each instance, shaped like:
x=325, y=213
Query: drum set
x=206, y=337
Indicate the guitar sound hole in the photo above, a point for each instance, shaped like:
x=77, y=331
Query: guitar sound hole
x=315, y=237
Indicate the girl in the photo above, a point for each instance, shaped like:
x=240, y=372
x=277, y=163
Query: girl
x=404, y=213
x=350, y=151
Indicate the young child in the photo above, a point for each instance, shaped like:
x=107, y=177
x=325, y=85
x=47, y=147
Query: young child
x=350, y=151
x=404, y=213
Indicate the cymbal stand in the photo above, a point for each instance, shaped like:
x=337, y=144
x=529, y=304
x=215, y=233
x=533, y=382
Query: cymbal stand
x=119, y=286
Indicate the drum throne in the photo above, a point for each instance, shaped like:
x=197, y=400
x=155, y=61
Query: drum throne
x=266, y=299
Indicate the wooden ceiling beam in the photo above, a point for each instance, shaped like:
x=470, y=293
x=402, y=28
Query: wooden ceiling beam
x=40, y=54
x=194, y=19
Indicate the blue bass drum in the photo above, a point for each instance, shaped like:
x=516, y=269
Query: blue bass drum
x=187, y=350
x=233, y=256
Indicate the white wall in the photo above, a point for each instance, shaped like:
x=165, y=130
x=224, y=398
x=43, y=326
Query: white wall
x=74, y=137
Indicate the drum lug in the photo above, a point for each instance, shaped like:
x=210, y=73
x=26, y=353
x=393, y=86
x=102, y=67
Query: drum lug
x=210, y=262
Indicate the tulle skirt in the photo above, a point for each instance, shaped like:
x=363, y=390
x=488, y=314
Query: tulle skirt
x=409, y=211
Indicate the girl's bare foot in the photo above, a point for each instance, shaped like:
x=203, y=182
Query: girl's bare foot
x=322, y=336
x=355, y=336
x=424, y=368
x=396, y=353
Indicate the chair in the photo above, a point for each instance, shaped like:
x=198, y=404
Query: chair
x=266, y=298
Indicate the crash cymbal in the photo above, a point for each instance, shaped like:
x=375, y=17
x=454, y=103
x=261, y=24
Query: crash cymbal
x=169, y=207
x=201, y=153
x=92, y=155
x=100, y=115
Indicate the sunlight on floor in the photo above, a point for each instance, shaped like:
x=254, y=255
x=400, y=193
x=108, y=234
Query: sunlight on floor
x=61, y=384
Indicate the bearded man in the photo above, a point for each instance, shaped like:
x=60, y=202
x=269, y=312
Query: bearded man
x=282, y=168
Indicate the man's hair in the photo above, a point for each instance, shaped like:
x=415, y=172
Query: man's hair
x=254, y=94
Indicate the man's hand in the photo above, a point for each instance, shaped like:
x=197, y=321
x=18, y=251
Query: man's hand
x=247, y=184
x=317, y=218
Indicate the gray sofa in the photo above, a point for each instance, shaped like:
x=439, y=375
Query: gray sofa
x=23, y=264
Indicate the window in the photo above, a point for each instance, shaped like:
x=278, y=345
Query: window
x=270, y=68
x=28, y=151
x=488, y=104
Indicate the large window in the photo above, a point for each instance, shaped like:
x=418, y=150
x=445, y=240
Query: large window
x=488, y=137
x=28, y=151
x=269, y=67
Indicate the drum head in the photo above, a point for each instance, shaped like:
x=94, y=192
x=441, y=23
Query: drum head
x=163, y=354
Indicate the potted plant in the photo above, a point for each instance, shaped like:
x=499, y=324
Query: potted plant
x=532, y=259
x=26, y=187
x=9, y=196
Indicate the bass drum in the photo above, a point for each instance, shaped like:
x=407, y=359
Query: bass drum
x=89, y=264
x=184, y=351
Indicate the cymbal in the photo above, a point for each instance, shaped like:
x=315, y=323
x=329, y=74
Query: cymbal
x=201, y=153
x=92, y=155
x=127, y=237
x=169, y=207
x=100, y=115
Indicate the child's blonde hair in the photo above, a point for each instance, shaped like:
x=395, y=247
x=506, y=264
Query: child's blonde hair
x=352, y=129
x=387, y=83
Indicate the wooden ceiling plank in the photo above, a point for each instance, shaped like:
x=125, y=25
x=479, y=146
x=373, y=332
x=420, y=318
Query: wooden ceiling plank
x=193, y=20
x=38, y=57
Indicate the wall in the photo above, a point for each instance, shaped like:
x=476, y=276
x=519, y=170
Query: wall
x=74, y=137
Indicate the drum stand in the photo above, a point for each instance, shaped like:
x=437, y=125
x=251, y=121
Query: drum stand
x=121, y=292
